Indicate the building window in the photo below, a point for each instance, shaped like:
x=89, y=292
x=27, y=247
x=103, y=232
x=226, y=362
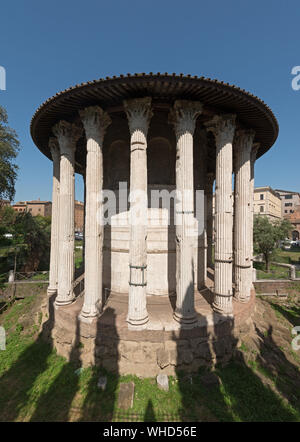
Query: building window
x=288, y=204
x=285, y=211
x=261, y=208
x=288, y=197
x=261, y=196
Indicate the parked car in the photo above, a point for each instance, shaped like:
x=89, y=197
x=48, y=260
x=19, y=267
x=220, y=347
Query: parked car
x=79, y=235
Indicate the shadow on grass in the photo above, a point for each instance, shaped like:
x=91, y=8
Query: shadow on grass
x=237, y=393
x=292, y=313
x=17, y=383
x=62, y=390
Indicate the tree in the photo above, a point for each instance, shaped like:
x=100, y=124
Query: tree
x=9, y=148
x=34, y=234
x=266, y=235
x=29, y=245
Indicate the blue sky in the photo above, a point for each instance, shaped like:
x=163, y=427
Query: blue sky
x=46, y=47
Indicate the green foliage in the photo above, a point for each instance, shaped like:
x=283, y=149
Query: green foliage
x=30, y=242
x=9, y=147
x=266, y=235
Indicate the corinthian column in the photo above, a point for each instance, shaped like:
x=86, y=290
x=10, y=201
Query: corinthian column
x=67, y=135
x=183, y=116
x=223, y=128
x=95, y=122
x=242, y=231
x=209, y=213
x=53, y=274
x=252, y=161
x=139, y=114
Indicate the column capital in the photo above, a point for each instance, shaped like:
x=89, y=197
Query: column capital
x=67, y=135
x=139, y=114
x=223, y=127
x=183, y=116
x=95, y=122
x=254, y=151
x=244, y=139
x=54, y=148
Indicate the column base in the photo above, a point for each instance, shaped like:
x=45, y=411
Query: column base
x=137, y=322
x=51, y=291
x=89, y=315
x=218, y=309
x=185, y=319
x=244, y=300
x=59, y=303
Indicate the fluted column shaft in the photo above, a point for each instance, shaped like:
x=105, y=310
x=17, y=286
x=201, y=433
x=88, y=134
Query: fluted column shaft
x=67, y=135
x=209, y=217
x=223, y=127
x=242, y=228
x=202, y=222
x=139, y=114
x=95, y=122
x=184, y=116
x=53, y=273
x=251, y=214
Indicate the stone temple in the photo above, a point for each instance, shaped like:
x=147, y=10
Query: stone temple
x=166, y=285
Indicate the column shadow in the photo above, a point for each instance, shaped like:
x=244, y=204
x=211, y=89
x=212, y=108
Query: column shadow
x=100, y=405
x=17, y=382
x=224, y=382
x=62, y=390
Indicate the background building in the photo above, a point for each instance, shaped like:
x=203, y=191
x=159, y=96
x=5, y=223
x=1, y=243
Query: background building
x=4, y=203
x=79, y=216
x=289, y=201
x=35, y=207
x=267, y=202
x=44, y=208
x=294, y=218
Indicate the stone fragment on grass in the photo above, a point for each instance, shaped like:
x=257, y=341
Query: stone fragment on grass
x=125, y=397
x=102, y=381
x=163, y=382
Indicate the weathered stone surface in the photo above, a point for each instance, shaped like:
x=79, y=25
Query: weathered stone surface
x=163, y=382
x=162, y=358
x=187, y=356
x=145, y=353
x=125, y=396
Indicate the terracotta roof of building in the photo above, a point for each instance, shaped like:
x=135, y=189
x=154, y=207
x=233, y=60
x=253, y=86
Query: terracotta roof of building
x=109, y=93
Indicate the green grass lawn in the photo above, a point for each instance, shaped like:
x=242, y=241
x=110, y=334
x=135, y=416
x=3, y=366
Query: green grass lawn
x=287, y=256
x=78, y=253
x=38, y=385
x=277, y=272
